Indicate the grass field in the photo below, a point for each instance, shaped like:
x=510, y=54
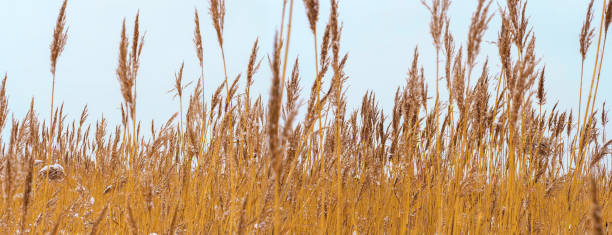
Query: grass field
x=492, y=158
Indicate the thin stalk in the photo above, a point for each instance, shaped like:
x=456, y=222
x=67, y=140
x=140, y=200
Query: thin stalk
x=134, y=136
x=287, y=47
x=437, y=73
x=340, y=199
x=180, y=139
x=580, y=96
x=204, y=119
x=51, y=123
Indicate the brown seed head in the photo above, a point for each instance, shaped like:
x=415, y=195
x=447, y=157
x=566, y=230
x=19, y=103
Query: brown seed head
x=504, y=43
x=59, y=36
x=197, y=39
x=459, y=80
x=587, y=32
x=217, y=13
x=608, y=15
x=336, y=31
x=136, y=46
x=518, y=21
x=438, y=10
x=570, y=124
x=178, y=81
x=293, y=88
x=325, y=45
x=3, y=103
x=480, y=21
x=449, y=51
x=601, y=152
x=252, y=68
x=541, y=93
x=312, y=11
x=123, y=67
x=481, y=92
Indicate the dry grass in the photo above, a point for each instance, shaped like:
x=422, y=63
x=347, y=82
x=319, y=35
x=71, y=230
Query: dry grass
x=490, y=159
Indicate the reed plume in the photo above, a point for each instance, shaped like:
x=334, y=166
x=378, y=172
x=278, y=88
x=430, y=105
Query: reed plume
x=312, y=12
x=197, y=39
x=60, y=36
x=217, y=13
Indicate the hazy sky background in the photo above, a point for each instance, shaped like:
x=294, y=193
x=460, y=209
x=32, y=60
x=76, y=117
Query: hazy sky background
x=379, y=36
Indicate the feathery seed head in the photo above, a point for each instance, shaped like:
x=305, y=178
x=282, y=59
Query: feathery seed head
x=252, y=68
x=312, y=11
x=217, y=13
x=197, y=39
x=59, y=36
x=541, y=95
x=587, y=32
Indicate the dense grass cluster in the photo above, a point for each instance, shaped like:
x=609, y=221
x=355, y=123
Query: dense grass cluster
x=489, y=159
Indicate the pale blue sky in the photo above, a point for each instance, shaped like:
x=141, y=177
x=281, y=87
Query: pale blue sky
x=379, y=35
